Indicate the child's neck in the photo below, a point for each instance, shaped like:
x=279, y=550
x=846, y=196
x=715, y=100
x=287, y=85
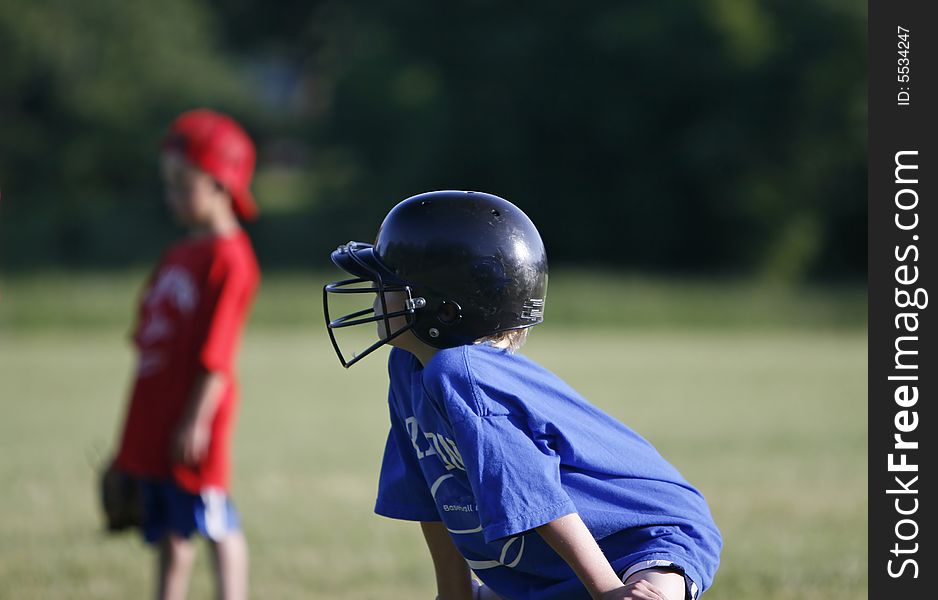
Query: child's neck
x=423, y=353
x=220, y=225
x=409, y=342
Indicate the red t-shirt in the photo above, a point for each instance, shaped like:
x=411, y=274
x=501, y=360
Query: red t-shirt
x=191, y=315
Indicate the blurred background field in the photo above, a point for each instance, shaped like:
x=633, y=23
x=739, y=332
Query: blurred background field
x=594, y=298
x=759, y=398
x=697, y=170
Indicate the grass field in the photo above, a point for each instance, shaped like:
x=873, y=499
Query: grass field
x=757, y=396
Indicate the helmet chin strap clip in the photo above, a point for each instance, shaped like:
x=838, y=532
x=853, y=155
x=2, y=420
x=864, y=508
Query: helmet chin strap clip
x=415, y=303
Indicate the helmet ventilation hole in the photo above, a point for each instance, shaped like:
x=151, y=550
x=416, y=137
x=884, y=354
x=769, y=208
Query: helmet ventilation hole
x=449, y=312
x=434, y=332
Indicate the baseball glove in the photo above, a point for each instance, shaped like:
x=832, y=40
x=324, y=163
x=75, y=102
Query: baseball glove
x=121, y=499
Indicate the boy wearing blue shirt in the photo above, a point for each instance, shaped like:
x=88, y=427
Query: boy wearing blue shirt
x=513, y=475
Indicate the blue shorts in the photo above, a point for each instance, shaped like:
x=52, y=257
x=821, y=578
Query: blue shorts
x=167, y=509
x=691, y=591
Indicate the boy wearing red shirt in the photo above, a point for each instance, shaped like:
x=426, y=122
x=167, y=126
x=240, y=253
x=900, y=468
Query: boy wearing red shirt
x=176, y=437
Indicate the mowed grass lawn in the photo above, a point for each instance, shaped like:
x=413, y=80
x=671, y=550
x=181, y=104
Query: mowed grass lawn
x=765, y=414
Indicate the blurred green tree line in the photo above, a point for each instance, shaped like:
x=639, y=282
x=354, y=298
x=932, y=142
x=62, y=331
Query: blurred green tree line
x=710, y=136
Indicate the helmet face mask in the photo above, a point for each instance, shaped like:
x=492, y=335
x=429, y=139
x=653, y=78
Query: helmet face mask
x=361, y=317
x=466, y=264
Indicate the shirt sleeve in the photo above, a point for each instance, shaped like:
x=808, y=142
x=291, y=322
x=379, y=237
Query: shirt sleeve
x=226, y=295
x=402, y=489
x=142, y=299
x=514, y=474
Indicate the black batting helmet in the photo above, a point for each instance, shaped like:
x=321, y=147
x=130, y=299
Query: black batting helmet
x=469, y=264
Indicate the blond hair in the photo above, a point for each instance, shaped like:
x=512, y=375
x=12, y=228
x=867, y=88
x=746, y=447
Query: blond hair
x=510, y=340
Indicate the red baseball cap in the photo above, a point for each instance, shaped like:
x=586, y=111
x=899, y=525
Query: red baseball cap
x=219, y=146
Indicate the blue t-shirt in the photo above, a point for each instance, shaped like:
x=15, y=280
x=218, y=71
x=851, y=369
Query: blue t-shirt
x=494, y=445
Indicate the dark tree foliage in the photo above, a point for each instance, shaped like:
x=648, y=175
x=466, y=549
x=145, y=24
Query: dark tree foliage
x=726, y=136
